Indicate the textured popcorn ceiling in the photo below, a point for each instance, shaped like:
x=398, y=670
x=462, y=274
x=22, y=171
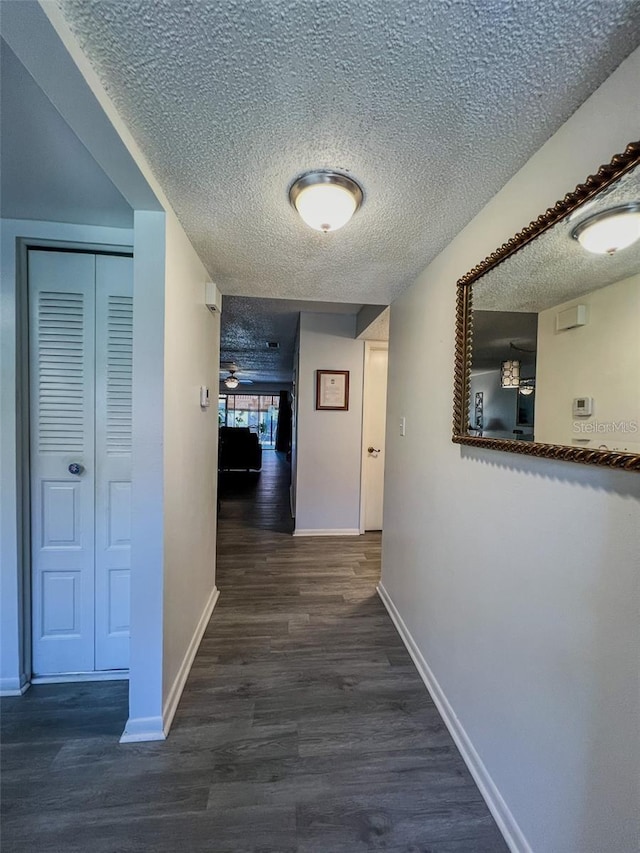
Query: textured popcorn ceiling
x=554, y=267
x=379, y=329
x=431, y=104
x=493, y=334
x=247, y=325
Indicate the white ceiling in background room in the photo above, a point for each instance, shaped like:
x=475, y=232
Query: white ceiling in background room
x=431, y=105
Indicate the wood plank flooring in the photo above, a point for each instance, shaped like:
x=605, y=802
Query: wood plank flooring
x=304, y=726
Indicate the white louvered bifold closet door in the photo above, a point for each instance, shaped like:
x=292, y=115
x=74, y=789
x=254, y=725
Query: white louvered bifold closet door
x=114, y=359
x=62, y=412
x=80, y=376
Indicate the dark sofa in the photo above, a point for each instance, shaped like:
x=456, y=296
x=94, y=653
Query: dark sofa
x=239, y=449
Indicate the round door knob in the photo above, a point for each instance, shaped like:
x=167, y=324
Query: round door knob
x=373, y=450
x=76, y=468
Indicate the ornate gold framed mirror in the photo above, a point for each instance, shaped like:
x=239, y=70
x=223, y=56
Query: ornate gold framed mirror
x=548, y=330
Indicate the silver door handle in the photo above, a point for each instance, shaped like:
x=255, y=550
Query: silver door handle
x=373, y=450
x=76, y=468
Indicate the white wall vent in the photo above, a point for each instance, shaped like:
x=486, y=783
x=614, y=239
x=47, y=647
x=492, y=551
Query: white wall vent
x=571, y=317
x=213, y=298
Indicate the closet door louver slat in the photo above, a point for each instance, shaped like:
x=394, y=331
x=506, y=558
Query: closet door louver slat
x=119, y=373
x=61, y=372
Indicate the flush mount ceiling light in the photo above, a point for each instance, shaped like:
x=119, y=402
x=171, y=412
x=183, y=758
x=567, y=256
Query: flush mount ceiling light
x=325, y=200
x=609, y=231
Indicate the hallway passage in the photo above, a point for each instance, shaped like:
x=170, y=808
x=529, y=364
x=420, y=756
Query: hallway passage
x=304, y=726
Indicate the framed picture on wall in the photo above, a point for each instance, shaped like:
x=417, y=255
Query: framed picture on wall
x=332, y=390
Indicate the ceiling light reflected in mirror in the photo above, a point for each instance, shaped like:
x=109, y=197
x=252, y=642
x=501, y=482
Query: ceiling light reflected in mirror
x=610, y=230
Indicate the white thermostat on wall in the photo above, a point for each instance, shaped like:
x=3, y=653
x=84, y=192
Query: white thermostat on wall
x=582, y=407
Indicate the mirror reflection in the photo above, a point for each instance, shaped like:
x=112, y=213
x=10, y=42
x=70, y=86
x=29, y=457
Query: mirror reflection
x=555, y=355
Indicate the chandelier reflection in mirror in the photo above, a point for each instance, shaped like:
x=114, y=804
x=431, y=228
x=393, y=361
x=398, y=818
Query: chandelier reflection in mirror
x=510, y=374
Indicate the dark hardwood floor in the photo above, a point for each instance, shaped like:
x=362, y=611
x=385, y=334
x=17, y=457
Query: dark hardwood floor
x=304, y=726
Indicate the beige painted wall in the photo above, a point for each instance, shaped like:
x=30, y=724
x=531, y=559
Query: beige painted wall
x=329, y=444
x=599, y=360
x=191, y=359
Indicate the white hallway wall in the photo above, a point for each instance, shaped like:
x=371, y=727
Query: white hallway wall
x=173, y=591
x=595, y=365
x=191, y=359
x=518, y=578
x=329, y=444
x=176, y=343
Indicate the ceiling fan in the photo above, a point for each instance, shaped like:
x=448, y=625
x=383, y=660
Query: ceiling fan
x=232, y=381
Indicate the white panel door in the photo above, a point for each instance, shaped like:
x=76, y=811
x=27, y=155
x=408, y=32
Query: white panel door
x=81, y=336
x=374, y=422
x=61, y=367
x=114, y=342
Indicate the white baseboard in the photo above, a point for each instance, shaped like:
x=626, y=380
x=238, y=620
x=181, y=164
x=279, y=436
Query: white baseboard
x=506, y=822
x=72, y=677
x=171, y=705
x=14, y=686
x=139, y=729
x=340, y=531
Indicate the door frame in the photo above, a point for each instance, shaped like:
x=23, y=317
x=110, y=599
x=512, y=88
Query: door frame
x=369, y=347
x=23, y=419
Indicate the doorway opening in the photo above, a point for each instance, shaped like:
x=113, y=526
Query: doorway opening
x=374, y=416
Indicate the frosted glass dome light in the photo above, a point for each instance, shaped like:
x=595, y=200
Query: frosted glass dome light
x=609, y=231
x=325, y=200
